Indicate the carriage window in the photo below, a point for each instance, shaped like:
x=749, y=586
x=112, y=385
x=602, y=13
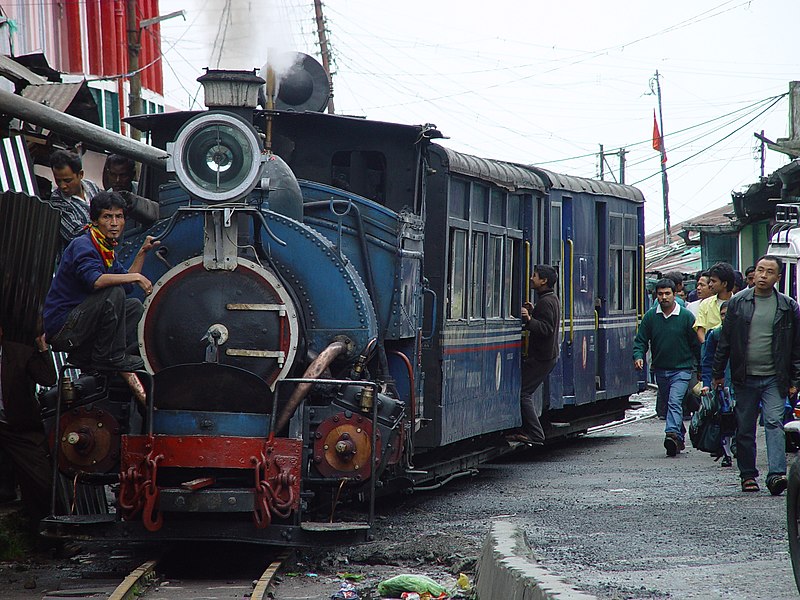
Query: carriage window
x=616, y=283
x=457, y=276
x=480, y=203
x=555, y=235
x=514, y=219
x=629, y=265
x=361, y=172
x=511, y=275
x=458, y=202
x=478, y=270
x=494, y=277
x=497, y=214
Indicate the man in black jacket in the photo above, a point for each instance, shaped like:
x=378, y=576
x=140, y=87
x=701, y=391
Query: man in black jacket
x=542, y=322
x=761, y=337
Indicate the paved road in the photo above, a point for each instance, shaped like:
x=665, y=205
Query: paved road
x=619, y=519
x=609, y=512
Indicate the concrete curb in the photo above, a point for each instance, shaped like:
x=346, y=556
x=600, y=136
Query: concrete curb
x=507, y=570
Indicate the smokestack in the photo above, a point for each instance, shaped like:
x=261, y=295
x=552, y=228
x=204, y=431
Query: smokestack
x=234, y=91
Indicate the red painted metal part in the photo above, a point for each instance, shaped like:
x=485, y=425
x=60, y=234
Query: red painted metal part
x=275, y=464
x=342, y=446
x=72, y=12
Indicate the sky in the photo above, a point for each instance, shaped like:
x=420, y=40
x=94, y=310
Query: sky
x=536, y=82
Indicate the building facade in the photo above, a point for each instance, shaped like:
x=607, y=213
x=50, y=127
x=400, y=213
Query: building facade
x=89, y=39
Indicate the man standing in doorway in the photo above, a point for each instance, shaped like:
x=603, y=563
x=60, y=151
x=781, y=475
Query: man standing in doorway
x=761, y=337
x=675, y=350
x=542, y=321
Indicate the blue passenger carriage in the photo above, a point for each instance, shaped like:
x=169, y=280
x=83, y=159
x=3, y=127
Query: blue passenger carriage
x=488, y=223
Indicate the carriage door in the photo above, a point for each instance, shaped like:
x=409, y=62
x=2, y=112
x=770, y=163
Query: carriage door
x=601, y=298
x=554, y=395
x=567, y=295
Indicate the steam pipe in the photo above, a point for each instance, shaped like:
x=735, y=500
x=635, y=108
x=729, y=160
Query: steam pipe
x=64, y=124
x=314, y=370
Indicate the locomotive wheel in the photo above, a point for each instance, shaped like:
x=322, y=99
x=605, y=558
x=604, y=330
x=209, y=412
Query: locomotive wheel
x=792, y=516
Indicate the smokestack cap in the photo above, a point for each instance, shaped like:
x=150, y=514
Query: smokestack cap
x=227, y=88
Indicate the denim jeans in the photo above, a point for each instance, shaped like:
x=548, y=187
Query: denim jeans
x=673, y=384
x=748, y=395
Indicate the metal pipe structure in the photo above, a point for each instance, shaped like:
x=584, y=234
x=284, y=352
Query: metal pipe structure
x=314, y=370
x=64, y=124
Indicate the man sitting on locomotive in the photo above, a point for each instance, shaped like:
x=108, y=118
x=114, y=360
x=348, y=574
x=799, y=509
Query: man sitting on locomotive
x=542, y=321
x=86, y=312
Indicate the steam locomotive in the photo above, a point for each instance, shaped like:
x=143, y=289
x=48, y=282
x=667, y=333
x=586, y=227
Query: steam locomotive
x=335, y=316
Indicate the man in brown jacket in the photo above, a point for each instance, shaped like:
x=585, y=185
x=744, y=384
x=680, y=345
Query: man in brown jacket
x=542, y=321
x=21, y=433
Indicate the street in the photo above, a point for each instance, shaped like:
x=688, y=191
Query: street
x=610, y=513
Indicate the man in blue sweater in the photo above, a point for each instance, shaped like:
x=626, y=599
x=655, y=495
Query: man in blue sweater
x=668, y=331
x=86, y=312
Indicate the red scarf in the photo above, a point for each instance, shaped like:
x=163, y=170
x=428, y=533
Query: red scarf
x=103, y=245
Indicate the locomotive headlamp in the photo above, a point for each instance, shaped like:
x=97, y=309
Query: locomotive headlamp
x=216, y=157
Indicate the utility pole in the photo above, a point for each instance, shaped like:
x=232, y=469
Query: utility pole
x=602, y=163
x=664, y=183
x=324, y=50
x=135, y=79
x=620, y=154
x=763, y=152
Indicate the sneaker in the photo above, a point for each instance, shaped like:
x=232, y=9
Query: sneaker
x=671, y=445
x=126, y=363
x=726, y=461
x=777, y=484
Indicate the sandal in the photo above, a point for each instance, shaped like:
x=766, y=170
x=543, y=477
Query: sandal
x=750, y=485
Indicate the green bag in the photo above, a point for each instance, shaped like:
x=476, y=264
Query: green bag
x=409, y=583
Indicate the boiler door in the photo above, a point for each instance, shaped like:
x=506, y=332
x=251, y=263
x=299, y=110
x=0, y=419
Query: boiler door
x=249, y=309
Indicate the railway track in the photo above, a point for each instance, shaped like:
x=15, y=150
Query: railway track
x=174, y=579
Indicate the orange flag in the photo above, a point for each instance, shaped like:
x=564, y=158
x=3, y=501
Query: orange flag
x=657, y=138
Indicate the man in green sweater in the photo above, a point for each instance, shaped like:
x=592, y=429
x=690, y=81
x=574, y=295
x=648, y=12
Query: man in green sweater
x=675, y=350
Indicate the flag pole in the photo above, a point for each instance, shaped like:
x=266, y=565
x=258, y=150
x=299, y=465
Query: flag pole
x=664, y=182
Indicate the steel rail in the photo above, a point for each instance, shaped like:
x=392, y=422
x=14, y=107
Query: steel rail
x=263, y=583
x=136, y=582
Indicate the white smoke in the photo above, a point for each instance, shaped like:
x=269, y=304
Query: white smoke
x=246, y=32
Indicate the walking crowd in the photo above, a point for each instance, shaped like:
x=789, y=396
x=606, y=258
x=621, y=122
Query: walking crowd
x=739, y=338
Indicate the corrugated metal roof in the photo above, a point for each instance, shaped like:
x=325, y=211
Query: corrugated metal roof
x=29, y=242
x=16, y=72
x=590, y=186
x=55, y=95
x=508, y=175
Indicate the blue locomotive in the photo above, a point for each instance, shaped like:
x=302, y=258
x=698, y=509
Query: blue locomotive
x=336, y=315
